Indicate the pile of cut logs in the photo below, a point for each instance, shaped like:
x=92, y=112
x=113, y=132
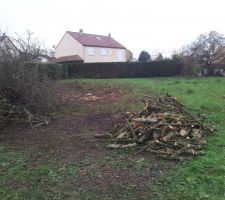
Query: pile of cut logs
x=165, y=127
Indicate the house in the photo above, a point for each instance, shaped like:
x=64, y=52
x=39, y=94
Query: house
x=90, y=48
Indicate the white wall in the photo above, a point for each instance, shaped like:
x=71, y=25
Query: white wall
x=68, y=46
x=97, y=57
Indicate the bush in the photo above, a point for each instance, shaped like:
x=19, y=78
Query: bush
x=125, y=70
x=23, y=96
x=24, y=88
x=108, y=70
x=49, y=70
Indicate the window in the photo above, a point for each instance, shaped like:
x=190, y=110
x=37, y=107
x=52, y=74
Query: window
x=120, y=55
x=104, y=52
x=90, y=51
x=110, y=52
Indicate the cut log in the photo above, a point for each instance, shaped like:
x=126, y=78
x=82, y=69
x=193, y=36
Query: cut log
x=146, y=120
x=118, y=146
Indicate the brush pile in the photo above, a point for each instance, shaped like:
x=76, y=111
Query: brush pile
x=10, y=113
x=25, y=94
x=164, y=127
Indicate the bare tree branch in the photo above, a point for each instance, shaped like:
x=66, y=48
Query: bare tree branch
x=207, y=49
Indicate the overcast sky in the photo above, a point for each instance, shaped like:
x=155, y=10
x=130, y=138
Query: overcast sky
x=151, y=25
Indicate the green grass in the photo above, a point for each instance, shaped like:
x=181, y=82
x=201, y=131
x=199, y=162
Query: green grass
x=34, y=182
x=204, y=177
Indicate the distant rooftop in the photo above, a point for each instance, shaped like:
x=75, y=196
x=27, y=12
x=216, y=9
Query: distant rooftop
x=96, y=40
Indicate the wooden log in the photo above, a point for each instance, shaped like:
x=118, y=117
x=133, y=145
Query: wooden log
x=132, y=130
x=183, y=133
x=146, y=120
x=120, y=146
x=178, y=152
x=122, y=135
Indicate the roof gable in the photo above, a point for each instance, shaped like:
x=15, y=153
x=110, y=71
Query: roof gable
x=95, y=40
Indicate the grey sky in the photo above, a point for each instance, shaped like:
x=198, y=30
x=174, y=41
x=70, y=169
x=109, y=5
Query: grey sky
x=152, y=25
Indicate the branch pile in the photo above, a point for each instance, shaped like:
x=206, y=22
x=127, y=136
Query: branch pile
x=33, y=112
x=165, y=127
x=25, y=96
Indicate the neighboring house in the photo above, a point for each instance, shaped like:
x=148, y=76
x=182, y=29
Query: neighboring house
x=90, y=48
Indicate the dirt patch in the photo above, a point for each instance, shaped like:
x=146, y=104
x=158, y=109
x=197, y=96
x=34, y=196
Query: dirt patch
x=71, y=138
x=87, y=93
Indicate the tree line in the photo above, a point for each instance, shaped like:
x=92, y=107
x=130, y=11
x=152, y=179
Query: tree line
x=207, y=49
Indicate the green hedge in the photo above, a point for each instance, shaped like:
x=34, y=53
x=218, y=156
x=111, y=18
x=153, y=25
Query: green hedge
x=50, y=70
x=125, y=70
x=108, y=70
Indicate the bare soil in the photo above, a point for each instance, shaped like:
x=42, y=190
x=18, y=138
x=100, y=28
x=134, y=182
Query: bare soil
x=70, y=138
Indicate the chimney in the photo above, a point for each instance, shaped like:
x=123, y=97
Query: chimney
x=81, y=30
x=109, y=35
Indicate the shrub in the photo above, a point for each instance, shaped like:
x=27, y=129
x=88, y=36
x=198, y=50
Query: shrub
x=24, y=91
x=23, y=96
x=108, y=70
x=50, y=71
x=125, y=70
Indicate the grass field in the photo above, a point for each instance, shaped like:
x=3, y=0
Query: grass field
x=25, y=172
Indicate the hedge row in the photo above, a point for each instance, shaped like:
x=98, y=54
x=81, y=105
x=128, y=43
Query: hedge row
x=110, y=70
x=50, y=70
x=125, y=70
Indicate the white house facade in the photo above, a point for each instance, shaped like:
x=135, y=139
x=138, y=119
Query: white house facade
x=90, y=48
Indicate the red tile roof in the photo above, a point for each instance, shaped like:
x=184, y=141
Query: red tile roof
x=71, y=58
x=95, y=40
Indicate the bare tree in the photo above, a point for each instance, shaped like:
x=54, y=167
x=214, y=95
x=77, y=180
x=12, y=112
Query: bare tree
x=27, y=49
x=207, y=49
x=22, y=92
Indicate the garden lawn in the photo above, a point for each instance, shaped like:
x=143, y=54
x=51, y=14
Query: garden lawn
x=204, y=177
x=65, y=161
